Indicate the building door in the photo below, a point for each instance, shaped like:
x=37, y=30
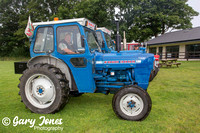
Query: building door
x=193, y=51
x=160, y=49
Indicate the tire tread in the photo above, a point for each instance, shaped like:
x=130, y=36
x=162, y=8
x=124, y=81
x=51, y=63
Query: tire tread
x=61, y=79
x=137, y=87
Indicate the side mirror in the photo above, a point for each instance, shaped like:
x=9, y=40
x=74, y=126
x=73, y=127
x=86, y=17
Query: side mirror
x=82, y=41
x=103, y=44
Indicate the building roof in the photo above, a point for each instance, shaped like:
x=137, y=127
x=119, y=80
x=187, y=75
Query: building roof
x=177, y=36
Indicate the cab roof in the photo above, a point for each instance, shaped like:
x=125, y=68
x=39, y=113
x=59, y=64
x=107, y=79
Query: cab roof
x=105, y=30
x=81, y=21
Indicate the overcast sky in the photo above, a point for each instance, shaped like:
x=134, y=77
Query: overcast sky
x=195, y=4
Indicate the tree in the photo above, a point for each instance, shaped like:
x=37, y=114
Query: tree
x=141, y=19
x=101, y=12
x=150, y=18
x=10, y=11
x=14, y=16
x=40, y=10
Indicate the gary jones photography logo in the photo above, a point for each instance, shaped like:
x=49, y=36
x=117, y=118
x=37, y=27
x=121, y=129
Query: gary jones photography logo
x=42, y=123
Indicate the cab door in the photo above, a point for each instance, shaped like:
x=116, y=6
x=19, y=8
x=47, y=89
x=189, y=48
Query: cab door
x=81, y=61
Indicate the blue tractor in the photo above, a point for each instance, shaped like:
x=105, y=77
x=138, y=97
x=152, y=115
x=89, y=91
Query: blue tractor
x=108, y=46
x=66, y=59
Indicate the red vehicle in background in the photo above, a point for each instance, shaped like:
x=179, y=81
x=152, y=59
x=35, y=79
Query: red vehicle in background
x=132, y=45
x=157, y=60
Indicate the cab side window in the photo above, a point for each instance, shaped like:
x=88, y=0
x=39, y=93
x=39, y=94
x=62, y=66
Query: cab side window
x=44, y=40
x=108, y=40
x=92, y=40
x=69, y=40
x=99, y=37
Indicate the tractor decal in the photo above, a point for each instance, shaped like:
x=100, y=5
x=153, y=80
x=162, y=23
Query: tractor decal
x=118, y=62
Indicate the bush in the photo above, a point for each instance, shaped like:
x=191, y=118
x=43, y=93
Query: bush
x=21, y=51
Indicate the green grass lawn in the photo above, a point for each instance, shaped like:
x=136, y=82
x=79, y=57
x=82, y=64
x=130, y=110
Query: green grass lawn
x=175, y=94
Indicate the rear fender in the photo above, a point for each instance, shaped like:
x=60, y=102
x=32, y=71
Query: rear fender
x=57, y=63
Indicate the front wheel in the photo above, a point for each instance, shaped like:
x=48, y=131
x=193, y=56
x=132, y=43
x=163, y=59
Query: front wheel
x=132, y=103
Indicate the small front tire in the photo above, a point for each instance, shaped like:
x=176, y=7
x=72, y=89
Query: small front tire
x=132, y=103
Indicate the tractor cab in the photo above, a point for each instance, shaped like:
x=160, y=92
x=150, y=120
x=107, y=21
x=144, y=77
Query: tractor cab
x=74, y=42
x=108, y=45
x=49, y=37
x=104, y=38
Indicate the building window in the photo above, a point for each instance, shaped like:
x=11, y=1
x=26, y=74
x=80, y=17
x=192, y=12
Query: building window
x=152, y=50
x=193, y=51
x=172, y=51
x=160, y=50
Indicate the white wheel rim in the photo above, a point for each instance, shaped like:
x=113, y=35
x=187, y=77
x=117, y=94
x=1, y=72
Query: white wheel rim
x=40, y=91
x=131, y=104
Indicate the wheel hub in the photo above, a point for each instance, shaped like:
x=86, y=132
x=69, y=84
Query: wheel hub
x=40, y=90
x=131, y=104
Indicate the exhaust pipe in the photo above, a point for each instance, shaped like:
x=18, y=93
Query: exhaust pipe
x=118, y=38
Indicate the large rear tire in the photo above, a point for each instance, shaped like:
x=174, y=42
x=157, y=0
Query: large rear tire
x=44, y=89
x=132, y=103
x=75, y=94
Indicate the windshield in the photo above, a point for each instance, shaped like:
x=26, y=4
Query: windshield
x=113, y=44
x=99, y=37
x=108, y=40
x=92, y=40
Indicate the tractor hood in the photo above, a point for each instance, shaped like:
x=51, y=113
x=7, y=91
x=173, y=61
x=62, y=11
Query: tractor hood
x=141, y=50
x=123, y=60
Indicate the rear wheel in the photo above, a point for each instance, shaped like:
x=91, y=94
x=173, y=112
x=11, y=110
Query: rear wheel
x=156, y=70
x=44, y=89
x=132, y=103
x=151, y=76
x=75, y=94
